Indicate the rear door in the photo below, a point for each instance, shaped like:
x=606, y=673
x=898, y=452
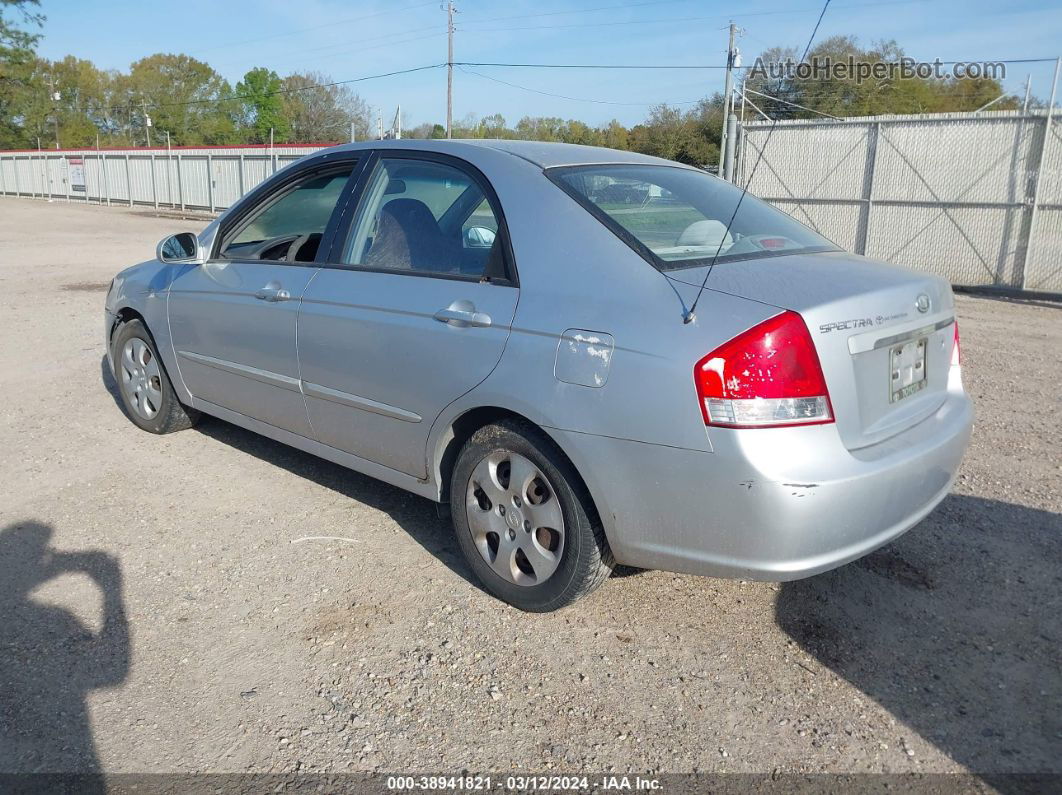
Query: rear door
x=412, y=312
x=232, y=319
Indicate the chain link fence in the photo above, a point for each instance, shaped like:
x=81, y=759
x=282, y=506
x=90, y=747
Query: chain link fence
x=976, y=198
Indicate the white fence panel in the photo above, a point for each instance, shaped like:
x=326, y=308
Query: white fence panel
x=185, y=178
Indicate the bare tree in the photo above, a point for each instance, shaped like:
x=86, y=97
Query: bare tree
x=320, y=111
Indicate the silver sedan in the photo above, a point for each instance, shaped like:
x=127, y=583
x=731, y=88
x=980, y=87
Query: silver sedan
x=505, y=328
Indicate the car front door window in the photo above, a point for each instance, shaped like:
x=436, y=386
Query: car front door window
x=289, y=227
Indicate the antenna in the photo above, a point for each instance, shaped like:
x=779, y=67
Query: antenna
x=689, y=316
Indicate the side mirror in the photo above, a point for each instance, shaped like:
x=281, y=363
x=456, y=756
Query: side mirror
x=479, y=237
x=182, y=247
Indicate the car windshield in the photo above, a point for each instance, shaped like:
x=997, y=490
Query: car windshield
x=677, y=217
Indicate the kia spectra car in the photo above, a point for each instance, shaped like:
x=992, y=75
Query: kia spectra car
x=505, y=328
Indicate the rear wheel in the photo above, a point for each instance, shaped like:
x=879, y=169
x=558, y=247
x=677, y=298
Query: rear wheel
x=147, y=394
x=524, y=521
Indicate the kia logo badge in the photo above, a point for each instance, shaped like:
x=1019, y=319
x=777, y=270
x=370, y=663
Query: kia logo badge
x=922, y=303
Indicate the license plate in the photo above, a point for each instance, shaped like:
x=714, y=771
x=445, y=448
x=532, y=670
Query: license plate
x=907, y=369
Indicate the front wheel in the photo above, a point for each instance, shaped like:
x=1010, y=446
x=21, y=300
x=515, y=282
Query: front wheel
x=147, y=394
x=524, y=521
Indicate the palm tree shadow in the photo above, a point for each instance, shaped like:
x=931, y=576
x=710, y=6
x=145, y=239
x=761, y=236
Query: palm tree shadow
x=956, y=629
x=49, y=659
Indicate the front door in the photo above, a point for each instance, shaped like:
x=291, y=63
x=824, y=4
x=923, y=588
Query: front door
x=232, y=320
x=415, y=313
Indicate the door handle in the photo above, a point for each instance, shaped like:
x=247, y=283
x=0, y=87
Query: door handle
x=463, y=314
x=272, y=293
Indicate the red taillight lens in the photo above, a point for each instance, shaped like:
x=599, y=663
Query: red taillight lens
x=956, y=357
x=767, y=376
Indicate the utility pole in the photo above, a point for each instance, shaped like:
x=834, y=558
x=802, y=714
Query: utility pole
x=449, y=67
x=731, y=54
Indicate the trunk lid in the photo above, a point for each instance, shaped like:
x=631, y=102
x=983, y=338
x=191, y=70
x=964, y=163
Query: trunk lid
x=867, y=319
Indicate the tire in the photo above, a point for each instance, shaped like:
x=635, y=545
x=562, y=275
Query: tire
x=517, y=553
x=147, y=394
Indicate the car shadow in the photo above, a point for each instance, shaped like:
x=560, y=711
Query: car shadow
x=417, y=516
x=956, y=629
x=110, y=383
x=50, y=660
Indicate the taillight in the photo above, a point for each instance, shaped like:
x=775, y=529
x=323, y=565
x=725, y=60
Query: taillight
x=956, y=357
x=767, y=376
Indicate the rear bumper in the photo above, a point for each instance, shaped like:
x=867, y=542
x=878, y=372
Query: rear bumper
x=769, y=504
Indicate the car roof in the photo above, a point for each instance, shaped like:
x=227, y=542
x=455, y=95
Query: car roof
x=545, y=154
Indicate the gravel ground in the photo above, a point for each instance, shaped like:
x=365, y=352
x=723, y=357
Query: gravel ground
x=165, y=607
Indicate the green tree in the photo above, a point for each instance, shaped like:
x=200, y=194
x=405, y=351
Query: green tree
x=576, y=132
x=672, y=134
x=84, y=96
x=493, y=126
x=183, y=96
x=260, y=92
x=614, y=135
x=18, y=69
x=869, y=97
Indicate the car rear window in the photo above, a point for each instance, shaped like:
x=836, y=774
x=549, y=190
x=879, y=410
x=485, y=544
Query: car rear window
x=677, y=217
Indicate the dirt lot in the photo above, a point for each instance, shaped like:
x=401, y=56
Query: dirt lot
x=164, y=605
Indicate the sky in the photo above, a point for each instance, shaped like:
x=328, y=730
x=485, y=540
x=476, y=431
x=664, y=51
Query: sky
x=348, y=39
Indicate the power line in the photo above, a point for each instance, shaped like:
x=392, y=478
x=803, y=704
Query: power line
x=334, y=23
x=582, y=10
x=586, y=65
x=736, y=15
x=344, y=45
x=707, y=66
x=318, y=55
x=787, y=102
x=669, y=21
x=573, y=99
x=280, y=91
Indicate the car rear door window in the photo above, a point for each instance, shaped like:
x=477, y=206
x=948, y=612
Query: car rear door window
x=424, y=217
x=681, y=217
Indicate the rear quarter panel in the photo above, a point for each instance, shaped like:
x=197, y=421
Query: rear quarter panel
x=576, y=274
